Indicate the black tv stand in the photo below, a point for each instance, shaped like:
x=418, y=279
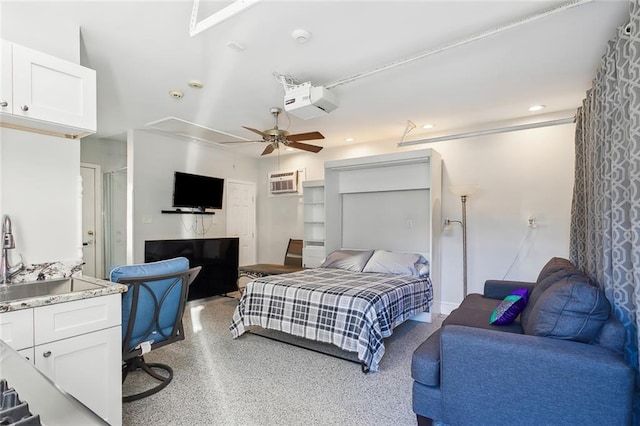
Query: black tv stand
x=217, y=256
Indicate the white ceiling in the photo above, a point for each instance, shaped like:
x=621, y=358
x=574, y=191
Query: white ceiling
x=143, y=49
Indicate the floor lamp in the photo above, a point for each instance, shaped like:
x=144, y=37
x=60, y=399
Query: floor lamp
x=463, y=191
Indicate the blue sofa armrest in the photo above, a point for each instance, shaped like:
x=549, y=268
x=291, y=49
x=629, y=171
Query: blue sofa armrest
x=490, y=377
x=499, y=289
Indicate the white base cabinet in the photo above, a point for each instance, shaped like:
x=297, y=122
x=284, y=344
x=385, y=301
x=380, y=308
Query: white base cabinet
x=16, y=329
x=77, y=345
x=27, y=353
x=89, y=368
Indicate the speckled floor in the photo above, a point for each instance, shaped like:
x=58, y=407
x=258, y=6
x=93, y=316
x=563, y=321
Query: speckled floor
x=256, y=381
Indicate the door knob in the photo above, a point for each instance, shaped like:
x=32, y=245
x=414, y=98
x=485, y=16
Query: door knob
x=24, y=108
x=89, y=232
x=46, y=354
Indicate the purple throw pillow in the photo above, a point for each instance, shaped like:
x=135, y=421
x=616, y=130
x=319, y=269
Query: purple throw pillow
x=509, y=309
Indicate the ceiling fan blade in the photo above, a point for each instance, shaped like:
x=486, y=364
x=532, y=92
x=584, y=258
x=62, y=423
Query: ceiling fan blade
x=261, y=133
x=305, y=146
x=305, y=136
x=268, y=149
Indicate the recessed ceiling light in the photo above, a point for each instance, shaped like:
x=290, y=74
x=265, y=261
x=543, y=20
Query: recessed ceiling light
x=534, y=108
x=196, y=84
x=301, y=36
x=350, y=139
x=176, y=94
x=427, y=126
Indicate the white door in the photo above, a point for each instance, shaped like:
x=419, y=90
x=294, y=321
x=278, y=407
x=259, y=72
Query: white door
x=91, y=224
x=241, y=218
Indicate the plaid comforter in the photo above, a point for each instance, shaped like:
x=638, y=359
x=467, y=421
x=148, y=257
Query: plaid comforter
x=352, y=310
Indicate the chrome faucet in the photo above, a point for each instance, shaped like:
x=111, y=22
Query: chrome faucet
x=7, y=271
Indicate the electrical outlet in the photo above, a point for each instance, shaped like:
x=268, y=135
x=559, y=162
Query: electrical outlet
x=532, y=222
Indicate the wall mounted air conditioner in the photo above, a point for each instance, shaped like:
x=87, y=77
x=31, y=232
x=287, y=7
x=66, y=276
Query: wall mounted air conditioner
x=283, y=182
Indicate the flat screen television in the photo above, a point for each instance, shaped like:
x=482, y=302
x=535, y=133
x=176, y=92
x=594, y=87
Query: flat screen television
x=197, y=191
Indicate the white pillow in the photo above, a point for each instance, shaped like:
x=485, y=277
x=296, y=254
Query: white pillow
x=388, y=262
x=350, y=260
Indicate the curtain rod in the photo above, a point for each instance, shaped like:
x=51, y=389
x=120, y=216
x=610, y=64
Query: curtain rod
x=492, y=131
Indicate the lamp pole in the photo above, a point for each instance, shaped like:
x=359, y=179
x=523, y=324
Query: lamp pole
x=464, y=245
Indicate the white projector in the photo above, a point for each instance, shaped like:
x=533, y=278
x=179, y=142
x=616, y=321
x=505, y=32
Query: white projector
x=306, y=101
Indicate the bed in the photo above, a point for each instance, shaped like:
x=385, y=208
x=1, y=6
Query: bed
x=353, y=300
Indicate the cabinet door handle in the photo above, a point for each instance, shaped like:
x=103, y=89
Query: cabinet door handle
x=46, y=354
x=4, y=104
x=24, y=108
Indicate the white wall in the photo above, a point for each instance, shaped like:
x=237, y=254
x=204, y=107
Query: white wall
x=520, y=174
x=59, y=37
x=110, y=154
x=152, y=160
x=39, y=175
x=39, y=189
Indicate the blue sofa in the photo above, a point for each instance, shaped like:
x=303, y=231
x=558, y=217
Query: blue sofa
x=559, y=363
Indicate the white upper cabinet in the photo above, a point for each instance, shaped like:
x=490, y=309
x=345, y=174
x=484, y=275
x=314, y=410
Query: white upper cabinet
x=42, y=93
x=6, y=92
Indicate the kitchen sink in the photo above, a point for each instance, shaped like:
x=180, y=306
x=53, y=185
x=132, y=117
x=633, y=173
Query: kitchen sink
x=51, y=287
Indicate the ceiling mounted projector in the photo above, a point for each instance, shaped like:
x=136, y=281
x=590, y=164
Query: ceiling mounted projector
x=306, y=101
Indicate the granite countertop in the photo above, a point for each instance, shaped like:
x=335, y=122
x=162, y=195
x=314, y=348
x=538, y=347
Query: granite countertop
x=18, y=296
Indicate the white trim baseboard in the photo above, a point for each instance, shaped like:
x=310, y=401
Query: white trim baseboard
x=447, y=307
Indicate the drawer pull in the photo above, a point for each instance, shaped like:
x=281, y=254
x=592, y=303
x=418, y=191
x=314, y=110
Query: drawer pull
x=46, y=354
x=4, y=104
x=24, y=108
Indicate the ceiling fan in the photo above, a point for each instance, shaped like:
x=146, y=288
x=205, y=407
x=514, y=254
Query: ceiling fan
x=275, y=136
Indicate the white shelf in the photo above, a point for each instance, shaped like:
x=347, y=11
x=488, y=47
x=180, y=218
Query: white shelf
x=313, y=252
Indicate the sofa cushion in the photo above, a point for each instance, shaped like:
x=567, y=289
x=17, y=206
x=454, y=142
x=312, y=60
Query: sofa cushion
x=552, y=266
x=425, y=363
x=474, y=311
x=541, y=286
x=571, y=309
x=612, y=335
x=507, y=311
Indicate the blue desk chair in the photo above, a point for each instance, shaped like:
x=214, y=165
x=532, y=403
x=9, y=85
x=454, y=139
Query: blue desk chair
x=152, y=311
